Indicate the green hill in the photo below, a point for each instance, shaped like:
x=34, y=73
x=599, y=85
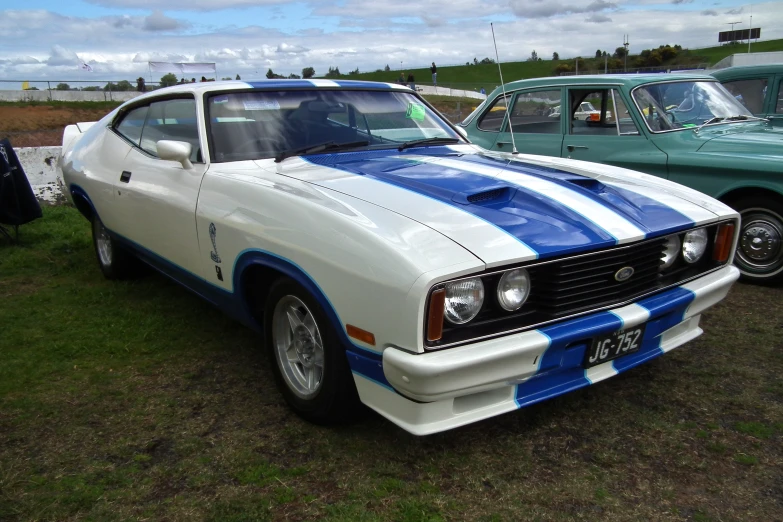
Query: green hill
x=474, y=77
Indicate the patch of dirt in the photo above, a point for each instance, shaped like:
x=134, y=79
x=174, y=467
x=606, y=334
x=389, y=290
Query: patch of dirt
x=42, y=125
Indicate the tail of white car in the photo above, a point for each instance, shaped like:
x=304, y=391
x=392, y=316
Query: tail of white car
x=72, y=132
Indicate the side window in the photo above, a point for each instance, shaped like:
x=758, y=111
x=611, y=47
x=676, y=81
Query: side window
x=131, y=124
x=536, y=112
x=171, y=120
x=779, y=104
x=749, y=93
x=600, y=113
x=493, y=119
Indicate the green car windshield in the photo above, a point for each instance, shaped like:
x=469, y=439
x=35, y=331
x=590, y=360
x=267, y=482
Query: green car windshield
x=680, y=105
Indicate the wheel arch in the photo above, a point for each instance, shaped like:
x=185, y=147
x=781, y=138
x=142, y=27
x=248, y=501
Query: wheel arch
x=739, y=193
x=256, y=270
x=82, y=202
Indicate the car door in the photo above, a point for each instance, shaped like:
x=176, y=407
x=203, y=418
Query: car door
x=156, y=199
x=535, y=121
x=609, y=135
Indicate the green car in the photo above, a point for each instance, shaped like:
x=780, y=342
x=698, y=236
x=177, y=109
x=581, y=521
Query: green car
x=683, y=127
x=757, y=87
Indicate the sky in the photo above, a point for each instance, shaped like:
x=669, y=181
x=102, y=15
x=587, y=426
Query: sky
x=50, y=39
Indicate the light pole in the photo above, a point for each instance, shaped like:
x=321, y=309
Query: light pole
x=732, y=24
x=626, y=43
x=751, y=27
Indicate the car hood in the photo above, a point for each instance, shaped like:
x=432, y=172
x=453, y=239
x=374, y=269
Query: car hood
x=743, y=138
x=506, y=208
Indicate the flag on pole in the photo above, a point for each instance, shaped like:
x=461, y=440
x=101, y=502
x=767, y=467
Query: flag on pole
x=25, y=86
x=86, y=67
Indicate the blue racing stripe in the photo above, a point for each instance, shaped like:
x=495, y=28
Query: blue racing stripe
x=543, y=224
x=650, y=215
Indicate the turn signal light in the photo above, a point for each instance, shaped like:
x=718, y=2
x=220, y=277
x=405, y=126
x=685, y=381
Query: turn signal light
x=724, y=238
x=595, y=117
x=435, y=317
x=362, y=335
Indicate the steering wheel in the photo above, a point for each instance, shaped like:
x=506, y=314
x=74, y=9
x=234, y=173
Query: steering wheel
x=260, y=144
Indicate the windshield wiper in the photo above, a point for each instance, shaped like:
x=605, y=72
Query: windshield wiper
x=744, y=117
x=714, y=119
x=321, y=147
x=426, y=141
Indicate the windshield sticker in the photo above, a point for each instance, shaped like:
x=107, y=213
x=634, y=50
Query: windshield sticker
x=220, y=99
x=689, y=125
x=416, y=111
x=261, y=105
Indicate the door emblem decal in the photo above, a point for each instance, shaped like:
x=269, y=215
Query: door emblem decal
x=212, y=235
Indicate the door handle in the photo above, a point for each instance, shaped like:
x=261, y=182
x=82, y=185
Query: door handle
x=501, y=143
x=125, y=176
x=571, y=148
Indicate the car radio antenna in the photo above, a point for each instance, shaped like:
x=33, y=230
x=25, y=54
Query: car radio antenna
x=503, y=86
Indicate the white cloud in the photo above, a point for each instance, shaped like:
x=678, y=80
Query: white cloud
x=158, y=21
x=62, y=56
x=185, y=5
x=548, y=8
x=598, y=19
x=709, y=12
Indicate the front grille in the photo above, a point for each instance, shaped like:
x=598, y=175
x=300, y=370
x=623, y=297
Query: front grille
x=587, y=282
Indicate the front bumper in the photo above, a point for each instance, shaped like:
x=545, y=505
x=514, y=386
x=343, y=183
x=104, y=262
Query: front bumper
x=460, y=385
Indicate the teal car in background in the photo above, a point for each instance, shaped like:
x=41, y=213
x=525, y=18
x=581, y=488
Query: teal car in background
x=683, y=127
x=757, y=87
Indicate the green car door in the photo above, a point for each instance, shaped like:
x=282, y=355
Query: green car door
x=535, y=119
x=610, y=134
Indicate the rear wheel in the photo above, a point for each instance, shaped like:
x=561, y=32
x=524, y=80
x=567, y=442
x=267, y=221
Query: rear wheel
x=115, y=261
x=309, y=363
x=760, y=248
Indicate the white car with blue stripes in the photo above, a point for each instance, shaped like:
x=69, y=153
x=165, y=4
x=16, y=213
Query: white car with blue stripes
x=387, y=261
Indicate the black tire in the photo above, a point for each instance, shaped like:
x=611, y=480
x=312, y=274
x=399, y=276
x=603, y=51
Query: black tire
x=334, y=398
x=759, y=253
x=115, y=262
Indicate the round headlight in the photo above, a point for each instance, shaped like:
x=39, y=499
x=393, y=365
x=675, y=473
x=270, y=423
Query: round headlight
x=513, y=289
x=463, y=300
x=672, y=246
x=694, y=244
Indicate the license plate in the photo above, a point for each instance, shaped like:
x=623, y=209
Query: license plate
x=614, y=345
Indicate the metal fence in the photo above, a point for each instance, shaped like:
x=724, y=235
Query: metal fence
x=73, y=90
x=640, y=70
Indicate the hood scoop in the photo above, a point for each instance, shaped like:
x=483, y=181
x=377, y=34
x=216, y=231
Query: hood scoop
x=588, y=183
x=488, y=196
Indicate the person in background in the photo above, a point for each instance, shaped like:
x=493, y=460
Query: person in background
x=411, y=81
x=192, y=80
x=140, y=84
x=434, y=71
x=482, y=91
x=401, y=79
x=203, y=78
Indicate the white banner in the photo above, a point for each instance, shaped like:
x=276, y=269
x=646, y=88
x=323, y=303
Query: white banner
x=182, y=68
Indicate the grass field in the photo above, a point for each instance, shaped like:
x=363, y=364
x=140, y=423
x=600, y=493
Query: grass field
x=473, y=77
x=137, y=400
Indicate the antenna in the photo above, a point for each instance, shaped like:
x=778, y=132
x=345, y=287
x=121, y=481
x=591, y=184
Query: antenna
x=503, y=86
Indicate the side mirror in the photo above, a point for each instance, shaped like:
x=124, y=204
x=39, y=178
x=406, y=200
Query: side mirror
x=462, y=131
x=176, y=151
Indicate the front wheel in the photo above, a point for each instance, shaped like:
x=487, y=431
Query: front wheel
x=760, y=247
x=309, y=363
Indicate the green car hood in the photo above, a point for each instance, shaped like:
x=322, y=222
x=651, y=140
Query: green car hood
x=743, y=138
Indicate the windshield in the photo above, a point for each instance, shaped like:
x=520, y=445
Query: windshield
x=263, y=124
x=681, y=105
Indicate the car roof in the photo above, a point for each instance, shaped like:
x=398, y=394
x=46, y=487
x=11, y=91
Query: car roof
x=199, y=88
x=741, y=70
x=629, y=80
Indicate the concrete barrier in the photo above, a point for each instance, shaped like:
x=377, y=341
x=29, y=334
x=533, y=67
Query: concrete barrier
x=428, y=90
x=44, y=96
x=43, y=172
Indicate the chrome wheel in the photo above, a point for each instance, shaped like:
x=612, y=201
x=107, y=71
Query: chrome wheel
x=298, y=347
x=103, y=244
x=760, y=248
